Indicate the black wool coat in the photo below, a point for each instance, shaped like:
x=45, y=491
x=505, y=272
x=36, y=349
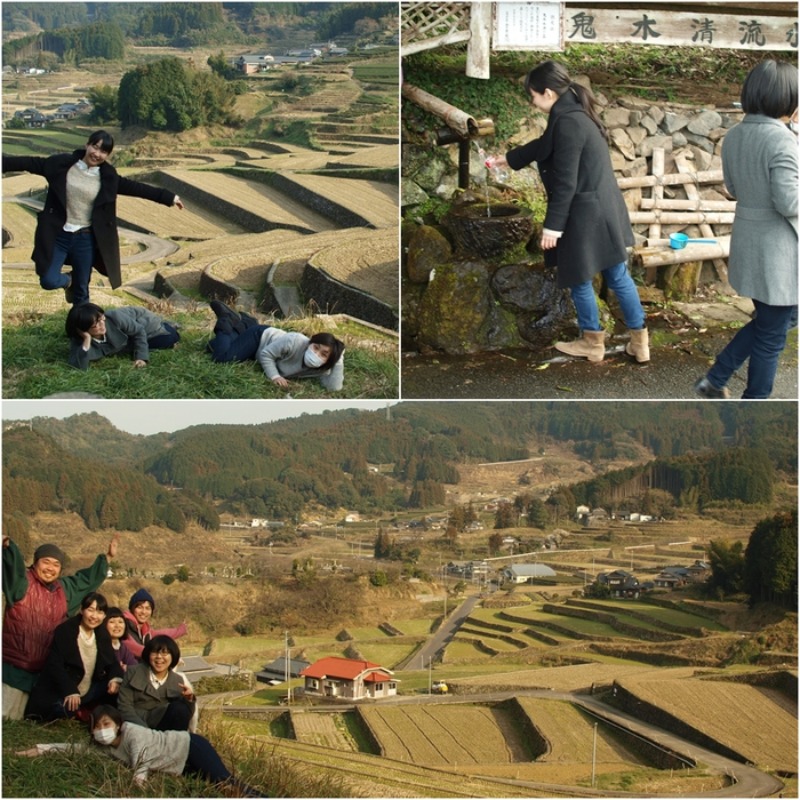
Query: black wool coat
x=64, y=669
x=583, y=198
x=52, y=217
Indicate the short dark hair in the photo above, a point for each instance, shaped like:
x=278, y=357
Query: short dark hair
x=103, y=140
x=770, y=88
x=329, y=340
x=104, y=711
x=115, y=612
x=80, y=318
x=95, y=597
x=160, y=643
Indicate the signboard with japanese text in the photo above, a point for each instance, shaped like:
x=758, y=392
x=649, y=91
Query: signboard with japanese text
x=552, y=26
x=639, y=24
x=528, y=26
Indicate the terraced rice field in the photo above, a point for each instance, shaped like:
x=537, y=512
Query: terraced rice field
x=377, y=776
x=570, y=734
x=321, y=729
x=276, y=209
x=434, y=735
x=759, y=723
x=368, y=260
x=564, y=679
x=375, y=202
x=381, y=156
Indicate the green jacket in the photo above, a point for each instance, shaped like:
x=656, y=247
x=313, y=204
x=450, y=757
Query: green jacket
x=15, y=586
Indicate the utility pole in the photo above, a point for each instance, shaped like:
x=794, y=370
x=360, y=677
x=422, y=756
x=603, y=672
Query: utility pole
x=287, y=669
x=594, y=753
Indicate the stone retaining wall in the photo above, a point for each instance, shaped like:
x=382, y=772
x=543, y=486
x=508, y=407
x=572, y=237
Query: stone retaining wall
x=331, y=297
x=217, y=205
x=341, y=216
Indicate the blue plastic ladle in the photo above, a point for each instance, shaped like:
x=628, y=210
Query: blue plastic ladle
x=677, y=241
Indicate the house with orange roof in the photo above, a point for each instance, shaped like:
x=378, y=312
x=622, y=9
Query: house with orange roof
x=348, y=678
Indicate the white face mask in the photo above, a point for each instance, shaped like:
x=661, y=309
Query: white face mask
x=312, y=359
x=105, y=735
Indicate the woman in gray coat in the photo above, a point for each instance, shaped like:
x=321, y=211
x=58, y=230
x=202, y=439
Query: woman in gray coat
x=95, y=333
x=759, y=164
x=587, y=229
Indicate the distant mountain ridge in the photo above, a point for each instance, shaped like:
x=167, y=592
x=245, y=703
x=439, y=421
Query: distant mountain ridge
x=380, y=461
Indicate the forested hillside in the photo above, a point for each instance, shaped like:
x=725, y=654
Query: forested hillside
x=77, y=31
x=373, y=461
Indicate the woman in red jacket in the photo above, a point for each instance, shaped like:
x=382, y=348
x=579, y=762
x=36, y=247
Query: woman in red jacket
x=78, y=224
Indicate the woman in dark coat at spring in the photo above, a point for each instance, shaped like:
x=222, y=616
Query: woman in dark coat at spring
x=587, y=229
x=78, y=224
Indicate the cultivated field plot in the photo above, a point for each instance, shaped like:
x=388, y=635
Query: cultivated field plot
x=297, y=159
x=565, y=679
x=570, y=734
x=193, y=223
x=759, y=723
x=435, y=735
x=376, y=202
x=370, y=262
x=376, y=776
x=273, y=207
x=335, y=95
x=20, y=222
x=660, y=614
x=321, y=729
x=382, y=157
x=23, y=184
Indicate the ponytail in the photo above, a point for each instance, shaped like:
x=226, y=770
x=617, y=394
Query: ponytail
x=554, y=76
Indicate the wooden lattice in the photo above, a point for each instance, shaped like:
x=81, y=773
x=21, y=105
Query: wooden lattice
x=429, y=24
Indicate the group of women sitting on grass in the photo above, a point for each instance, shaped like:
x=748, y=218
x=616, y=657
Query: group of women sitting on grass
x=111, y=670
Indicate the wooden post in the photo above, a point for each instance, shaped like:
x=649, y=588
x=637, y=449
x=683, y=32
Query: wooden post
x=654, y=231
x=479, y=47
x=706, y=231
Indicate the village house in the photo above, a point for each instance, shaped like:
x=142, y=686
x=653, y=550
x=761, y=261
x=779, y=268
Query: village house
x=349, y=679
x=621, y=583
x=275, y=672
x=527, y=573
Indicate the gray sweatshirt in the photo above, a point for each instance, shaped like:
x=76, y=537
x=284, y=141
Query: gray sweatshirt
x=281, y=353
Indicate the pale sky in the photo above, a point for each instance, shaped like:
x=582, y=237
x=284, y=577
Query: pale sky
x=156, y=416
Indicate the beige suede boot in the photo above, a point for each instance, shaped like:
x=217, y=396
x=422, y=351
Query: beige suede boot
x=639, y=346
x=591, y=345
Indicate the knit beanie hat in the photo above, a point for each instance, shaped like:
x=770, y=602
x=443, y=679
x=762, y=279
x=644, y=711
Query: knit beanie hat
x=141, y=596
x=49, y=551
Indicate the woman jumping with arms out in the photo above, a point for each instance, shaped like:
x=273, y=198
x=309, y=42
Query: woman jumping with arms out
x=587, y=229
x=78, y=224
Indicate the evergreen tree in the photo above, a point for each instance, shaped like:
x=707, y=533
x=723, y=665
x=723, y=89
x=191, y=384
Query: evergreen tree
x=770, y=561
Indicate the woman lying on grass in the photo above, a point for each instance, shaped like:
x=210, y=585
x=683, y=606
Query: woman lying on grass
x=144, y=750
x=282, y=354
x=95, y=333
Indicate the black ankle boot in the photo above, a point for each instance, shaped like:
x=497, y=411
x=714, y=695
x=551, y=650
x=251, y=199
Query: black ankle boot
x=224, y=312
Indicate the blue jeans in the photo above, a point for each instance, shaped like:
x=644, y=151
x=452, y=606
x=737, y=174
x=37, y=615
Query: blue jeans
x=232, y=346
x=620, y=282
x=79, y=250
x=762, y=341
x=165, y=340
